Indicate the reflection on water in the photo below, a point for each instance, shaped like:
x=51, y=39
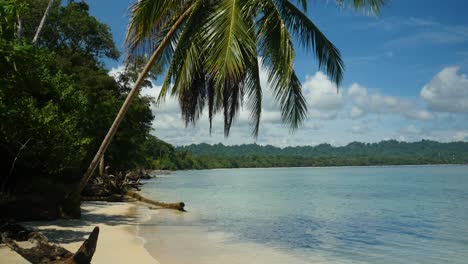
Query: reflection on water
x=404, y=214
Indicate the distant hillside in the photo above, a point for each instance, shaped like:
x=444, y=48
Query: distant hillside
x=389, y=152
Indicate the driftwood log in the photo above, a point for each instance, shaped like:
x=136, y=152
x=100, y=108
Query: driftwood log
x=45, y=252
x=121, y=198
x=110, y=198
x=178, y=206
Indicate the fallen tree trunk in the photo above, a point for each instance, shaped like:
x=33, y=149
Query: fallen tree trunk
x=45, y=252
x=110, y=198
x=178, y=206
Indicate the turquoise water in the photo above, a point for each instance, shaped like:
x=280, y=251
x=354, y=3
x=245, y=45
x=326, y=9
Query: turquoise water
x=408, y=214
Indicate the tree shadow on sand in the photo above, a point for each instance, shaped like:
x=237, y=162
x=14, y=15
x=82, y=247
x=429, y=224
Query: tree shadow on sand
x=77, y=230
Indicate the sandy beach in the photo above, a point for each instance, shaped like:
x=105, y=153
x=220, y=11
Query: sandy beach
x=118, y=241
x=122, y=224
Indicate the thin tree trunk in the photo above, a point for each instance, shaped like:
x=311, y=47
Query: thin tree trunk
x=20, y=27
x=12, y=168
x=133, y=93
x=41, y=24
x=101, y=167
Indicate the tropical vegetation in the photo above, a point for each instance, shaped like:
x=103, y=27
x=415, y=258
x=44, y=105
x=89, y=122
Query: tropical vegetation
x=211, y=49
x=389, y=152
x=57, y=101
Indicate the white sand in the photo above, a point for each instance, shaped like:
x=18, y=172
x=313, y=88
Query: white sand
x=117, y=243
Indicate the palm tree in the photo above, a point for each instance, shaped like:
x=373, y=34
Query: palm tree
x=210, y=49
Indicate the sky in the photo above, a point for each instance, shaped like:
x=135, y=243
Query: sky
x=405, y=79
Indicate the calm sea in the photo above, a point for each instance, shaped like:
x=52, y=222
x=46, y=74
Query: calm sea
x=404, y=214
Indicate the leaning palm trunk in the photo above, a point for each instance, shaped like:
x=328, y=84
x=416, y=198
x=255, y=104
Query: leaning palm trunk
x=213, y=59
x=41, y=24
x=133, y=93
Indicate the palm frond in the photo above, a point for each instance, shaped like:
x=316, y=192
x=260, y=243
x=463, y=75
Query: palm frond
x=293, y=104
x=278, y=56
x=210, y=89
x=192, y=101
x=303, y=4
x=212, y=53
x=275, y=46
x=229, y=46
x=310, y=36
x=186, y=58
x=253, y=91
x=372, y=6
x=228, y=42
x=148, y=19
x=232, y=100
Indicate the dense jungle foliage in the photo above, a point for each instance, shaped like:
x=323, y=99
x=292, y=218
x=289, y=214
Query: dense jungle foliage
x=389, y=152
x=57, y=100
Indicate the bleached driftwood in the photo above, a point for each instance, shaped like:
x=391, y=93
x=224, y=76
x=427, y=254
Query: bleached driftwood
x=178, y=206
x=45, y=252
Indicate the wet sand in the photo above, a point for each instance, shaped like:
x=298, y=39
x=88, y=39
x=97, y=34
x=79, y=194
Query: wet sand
x=183, y=243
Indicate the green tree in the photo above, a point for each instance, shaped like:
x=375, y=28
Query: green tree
x=57, y=101
x=70, y=30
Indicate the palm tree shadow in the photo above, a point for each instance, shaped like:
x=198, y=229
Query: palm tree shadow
x=77, y=230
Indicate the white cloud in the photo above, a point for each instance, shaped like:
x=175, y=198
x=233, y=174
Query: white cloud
x=422, y=22
x=447, y=91
x=357, y=112
x=420, y=32
x=331, y=116
x=359, y=129
x=114, y=72
x=461, y=136
x=365, y=102
x=411, y=129
x=322, y=96
x=316, y=126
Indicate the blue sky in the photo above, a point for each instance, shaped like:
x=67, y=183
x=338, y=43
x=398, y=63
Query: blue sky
x=405, y=78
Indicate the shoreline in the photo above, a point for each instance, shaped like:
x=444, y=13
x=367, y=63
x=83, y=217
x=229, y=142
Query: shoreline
x=118, y=240
x=338, y=166
x=178, y=241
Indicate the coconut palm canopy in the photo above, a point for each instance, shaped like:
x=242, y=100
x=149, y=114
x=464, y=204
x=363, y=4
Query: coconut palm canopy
x=210, y=49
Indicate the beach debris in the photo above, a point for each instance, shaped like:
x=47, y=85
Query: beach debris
x=111, y=188
x=39, y=250
x=138, y=174
x=110, y=198
x=178, y=206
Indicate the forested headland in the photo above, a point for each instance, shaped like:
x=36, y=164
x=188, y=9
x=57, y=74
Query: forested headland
x=390, y=152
